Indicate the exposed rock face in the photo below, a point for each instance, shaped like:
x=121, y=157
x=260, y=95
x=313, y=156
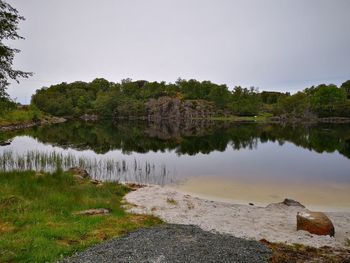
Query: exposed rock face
x=315, y=223
x=176, y=109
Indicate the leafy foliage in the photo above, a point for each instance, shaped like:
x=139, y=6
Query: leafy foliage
x=296, y=105
x=128, y=98
x=346, y=87
x=245, y=101
x=322, y=101
x=9, y=19
x=324, y=98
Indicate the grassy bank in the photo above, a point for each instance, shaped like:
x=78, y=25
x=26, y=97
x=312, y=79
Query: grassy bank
x=262, y=117
x=20, y=115
x=37, y=221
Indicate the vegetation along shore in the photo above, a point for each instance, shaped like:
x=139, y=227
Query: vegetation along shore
x=182, y=100
x=40, y=219
x=189, y=99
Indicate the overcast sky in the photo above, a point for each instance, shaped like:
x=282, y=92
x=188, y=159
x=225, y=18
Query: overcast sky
x=270, y=44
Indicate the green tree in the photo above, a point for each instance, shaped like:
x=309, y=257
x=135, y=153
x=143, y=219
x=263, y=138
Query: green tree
x=325, y=98
x=9, y=19
x=219, y=94
x=272, y=97
x=245, y=101
x=296, y=105
x=106, y=102
x=346, y=86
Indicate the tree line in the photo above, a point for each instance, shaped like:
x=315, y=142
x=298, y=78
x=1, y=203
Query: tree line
x=128, y=98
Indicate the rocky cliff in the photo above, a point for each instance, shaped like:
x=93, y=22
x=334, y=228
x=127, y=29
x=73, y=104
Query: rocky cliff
x=167, y=108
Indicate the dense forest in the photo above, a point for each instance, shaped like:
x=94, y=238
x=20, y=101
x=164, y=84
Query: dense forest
x=128, y=98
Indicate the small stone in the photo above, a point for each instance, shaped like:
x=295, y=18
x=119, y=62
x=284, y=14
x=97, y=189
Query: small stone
x=291, y=202
x=78, y=177
x=78, y=171
x=5, y=143
x=39, y=174
x=251, y=204
x=96, y=182
x=315, y=223
x=91, y=212
x=133, y=186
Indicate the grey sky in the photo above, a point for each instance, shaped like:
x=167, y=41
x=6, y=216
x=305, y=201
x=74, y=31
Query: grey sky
x=271, y=44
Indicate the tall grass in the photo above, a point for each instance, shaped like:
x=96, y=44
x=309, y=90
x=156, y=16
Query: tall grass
x=38, y=221
x=20, y=115
x=105, y=169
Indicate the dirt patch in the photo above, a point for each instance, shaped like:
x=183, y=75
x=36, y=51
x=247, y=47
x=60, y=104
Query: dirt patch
x=6, y=227
x=299, y=253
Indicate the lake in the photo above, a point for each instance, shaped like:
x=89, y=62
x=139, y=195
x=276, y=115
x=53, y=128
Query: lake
x=236, y=162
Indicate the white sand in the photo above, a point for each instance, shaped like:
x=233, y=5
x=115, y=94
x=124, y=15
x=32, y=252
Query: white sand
x=275, y=223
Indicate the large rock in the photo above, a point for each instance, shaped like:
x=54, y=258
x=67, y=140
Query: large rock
x=315, y=223
x=170, y=108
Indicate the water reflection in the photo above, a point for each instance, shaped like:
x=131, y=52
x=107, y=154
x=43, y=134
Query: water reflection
x=189, y=138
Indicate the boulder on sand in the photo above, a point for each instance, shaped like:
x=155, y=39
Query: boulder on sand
x=315, y=223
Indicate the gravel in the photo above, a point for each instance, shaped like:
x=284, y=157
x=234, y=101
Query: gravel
x=174, y=243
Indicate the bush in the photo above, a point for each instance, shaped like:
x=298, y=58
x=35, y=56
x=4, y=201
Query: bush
x=6, y=105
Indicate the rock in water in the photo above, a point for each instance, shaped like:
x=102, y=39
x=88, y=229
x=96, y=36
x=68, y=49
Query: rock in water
x=315, y=223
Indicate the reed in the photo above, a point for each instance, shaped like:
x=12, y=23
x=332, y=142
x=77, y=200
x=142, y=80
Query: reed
x=104, y=169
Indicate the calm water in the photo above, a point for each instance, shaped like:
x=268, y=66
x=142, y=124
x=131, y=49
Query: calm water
x=258, y=163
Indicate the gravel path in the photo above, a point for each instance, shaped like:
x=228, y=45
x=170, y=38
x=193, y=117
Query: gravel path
x=174, y=243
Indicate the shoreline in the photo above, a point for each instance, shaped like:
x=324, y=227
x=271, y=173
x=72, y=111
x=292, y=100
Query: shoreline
x=26, y=125
x=316, y=195
x=325, y=209
x=274, y=223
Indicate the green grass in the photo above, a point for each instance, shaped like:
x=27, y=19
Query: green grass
x=20, y=115
x=37, y=221
x=259, y=118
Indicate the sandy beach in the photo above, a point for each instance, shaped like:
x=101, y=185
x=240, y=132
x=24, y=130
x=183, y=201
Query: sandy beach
x=275, y=222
